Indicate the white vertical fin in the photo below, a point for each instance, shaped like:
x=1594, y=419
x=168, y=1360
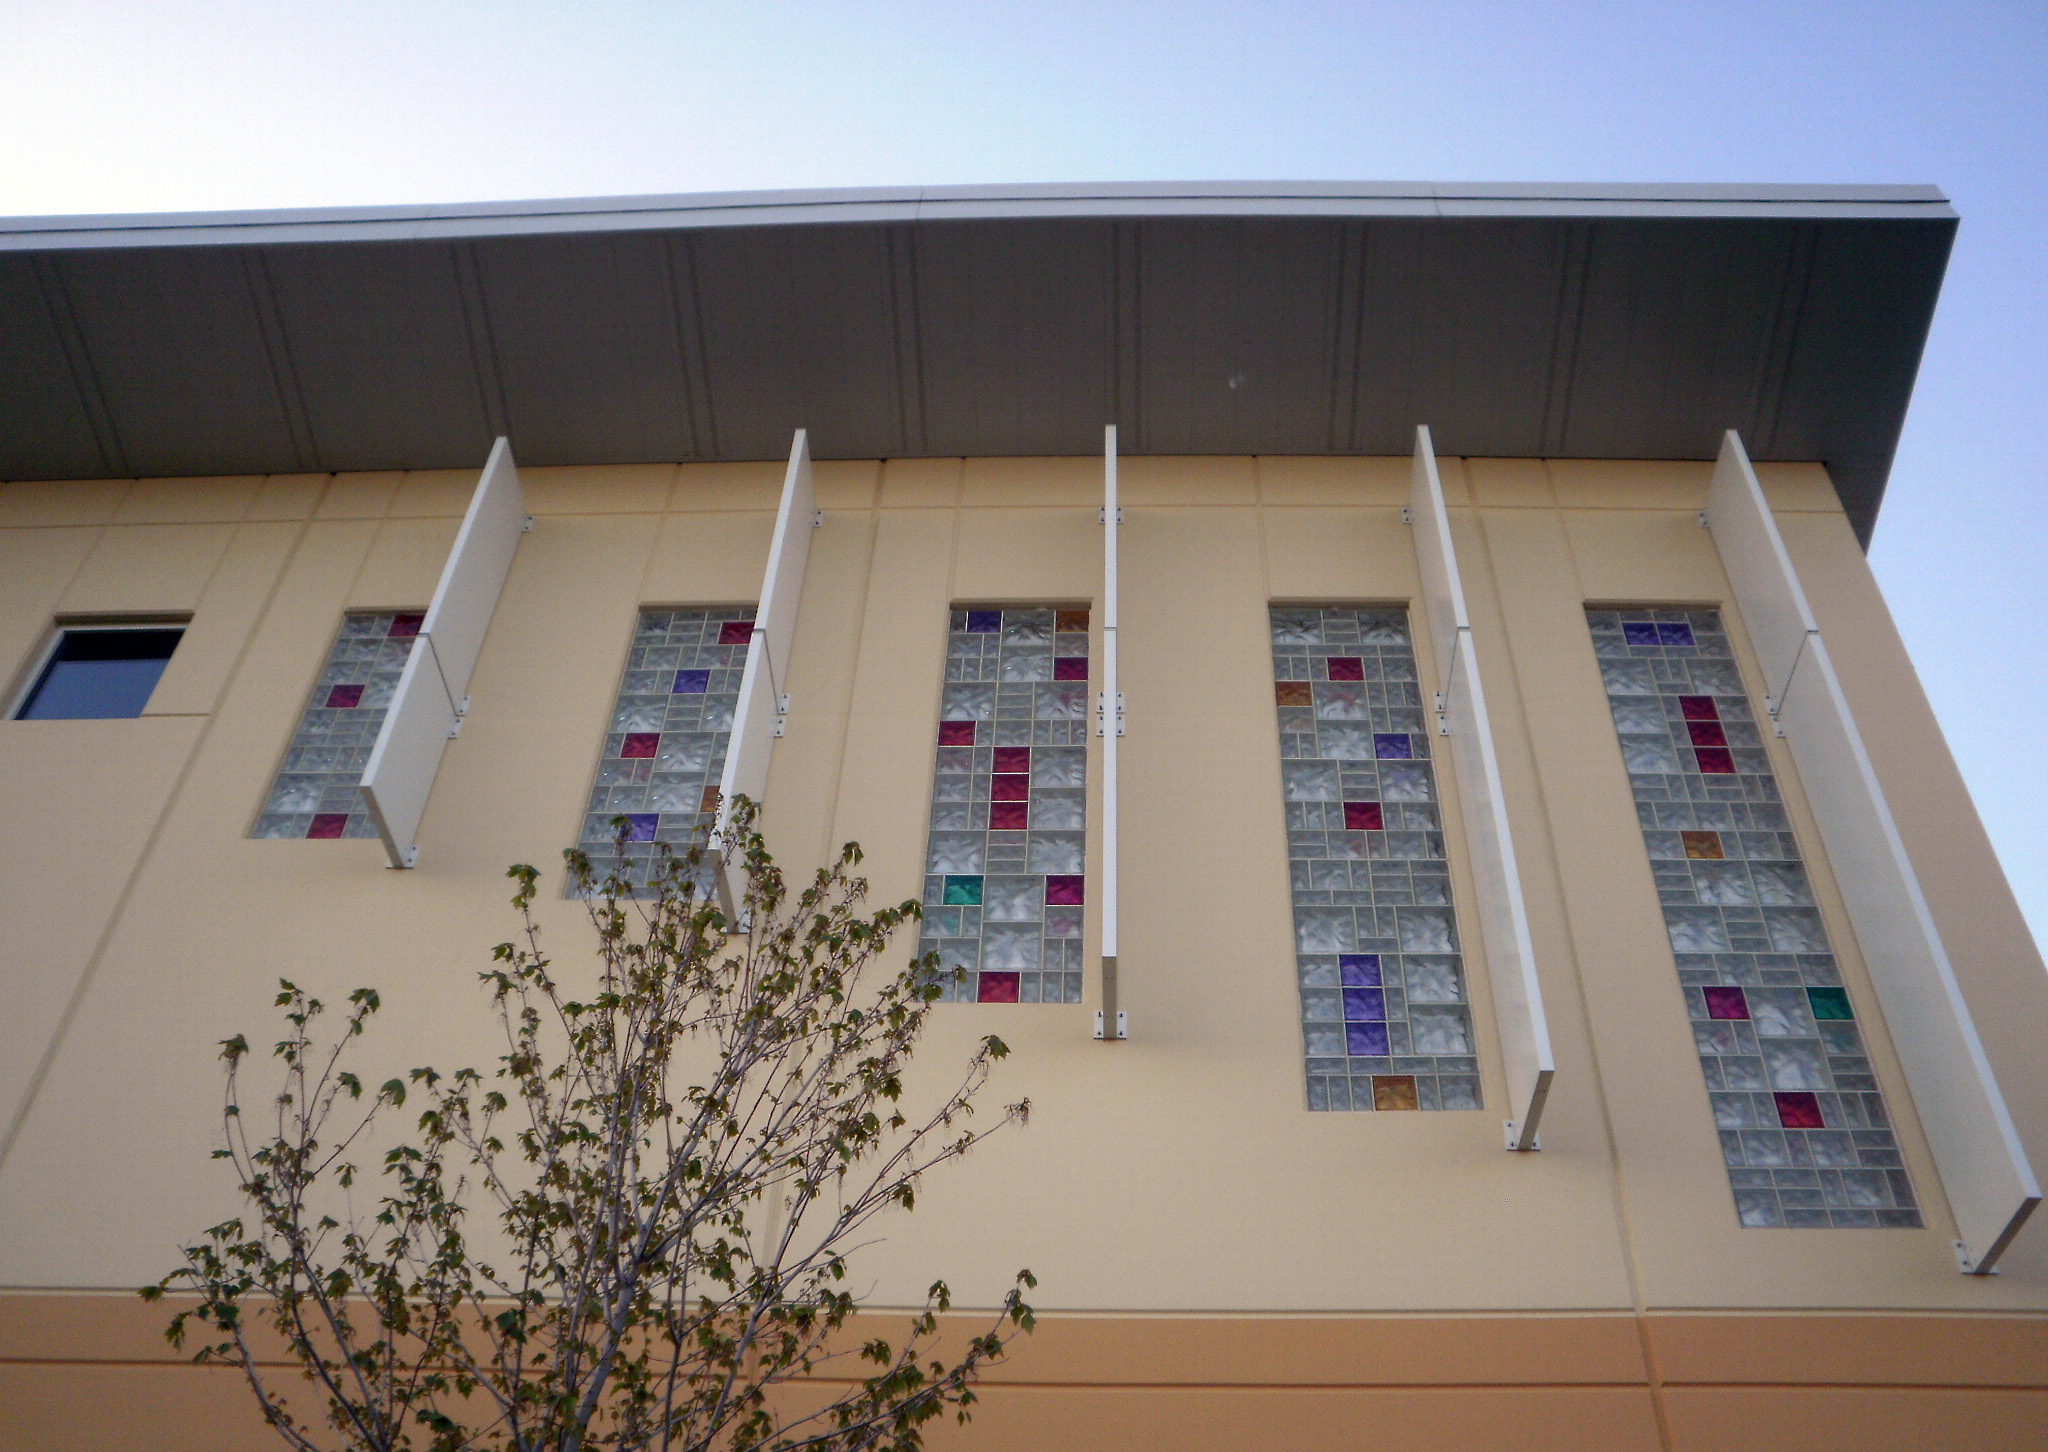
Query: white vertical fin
x=1109, y=724
x=764, y=683
x=1984, y=1169
x=433, y=691
x=1503, y=912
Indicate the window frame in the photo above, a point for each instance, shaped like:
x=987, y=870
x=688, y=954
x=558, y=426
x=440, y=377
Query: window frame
x=29, y=681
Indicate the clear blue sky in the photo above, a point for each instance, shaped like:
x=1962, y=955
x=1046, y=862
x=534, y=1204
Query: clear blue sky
x=180, y=106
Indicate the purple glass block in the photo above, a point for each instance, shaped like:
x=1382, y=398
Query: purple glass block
x=1361, y=970
x=956, y=733
x=996, y=988
x=1715, y=760
x=1392, y=746
x=345, y=696
x=1070, y=668
x=692, y=683
x=1799, y=1111
x=1012, y=758
x=985, y=622
x=1009, y=816
x=1367, y=1040
x=1639, y=632
x=1065, y=889
x=736, y=632
x=640, y=744
x=1363, y=817
x=1706, y=733
x=1725, y=1003
x=641, y=826
x=328, y=824
x=1699, y=708
x=1364, y=1003
x=1347, y=668
x=405, y=625
x=1680, y=634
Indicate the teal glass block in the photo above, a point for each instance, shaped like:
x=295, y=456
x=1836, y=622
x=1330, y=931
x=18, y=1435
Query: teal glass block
x=963, y=891
x=1830, y=1003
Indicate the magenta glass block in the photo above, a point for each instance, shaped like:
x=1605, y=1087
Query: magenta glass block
x=1361, y=1003
x=1362, y=817
x=406, y=624
x=1347, y=668
x=1012, y=758
x=997, y=988
x=1009, y=816
x=1392, y=746
x=1799, y=1111
x=692, y=683
x=1366, y=1040
x=1070, y=668
x=956, y=733
x=1725, y=1002
x=1745, y=990
x=641, y=826
x=328, y=824
x=984, y=622
x=640, y=744
x=345, y=697
x=1065, y=889
x=1010, y=788
x=1360, y=970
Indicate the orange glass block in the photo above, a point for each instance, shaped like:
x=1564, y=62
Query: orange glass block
x=710, y=800
x=1293, y=693
x=1394, y=1091
x=1702, y=846
x=1070, y=622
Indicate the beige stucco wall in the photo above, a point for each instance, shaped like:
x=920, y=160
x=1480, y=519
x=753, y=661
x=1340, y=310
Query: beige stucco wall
x=1175, y=1173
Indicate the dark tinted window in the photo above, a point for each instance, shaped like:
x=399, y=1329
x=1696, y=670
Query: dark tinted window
x=100, y=673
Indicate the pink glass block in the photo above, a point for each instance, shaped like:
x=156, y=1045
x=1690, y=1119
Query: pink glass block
x=345, y=696
x=1716, y=760
x=1725, y=1003
x=956, y=733
x=1070, y=668
x=1009, y=816
x=1362, y=817
x=997, y=988
x=405, y=626
x=1010, y=789
x=1065, y=890
x=1013, y=758
x=1799, y=1111
x=736, y=632
x=1706, y=733
x=1698, y=708
x=641, y=743
x=328, y=824
x=1347, y=668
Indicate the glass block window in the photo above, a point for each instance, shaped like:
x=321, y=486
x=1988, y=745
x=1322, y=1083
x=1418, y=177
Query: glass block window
x=1803, y=1125
x=1385, y=1017
x=1006, y=858
x=317, y=792
x=665, y=752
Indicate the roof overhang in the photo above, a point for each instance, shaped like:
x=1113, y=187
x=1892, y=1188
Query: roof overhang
x=1270, y=318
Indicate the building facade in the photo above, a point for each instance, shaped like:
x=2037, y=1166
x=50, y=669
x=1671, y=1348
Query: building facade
x=1282, y=1210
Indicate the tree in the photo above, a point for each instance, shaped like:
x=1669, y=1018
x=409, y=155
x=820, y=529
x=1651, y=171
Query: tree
x=671, y=1249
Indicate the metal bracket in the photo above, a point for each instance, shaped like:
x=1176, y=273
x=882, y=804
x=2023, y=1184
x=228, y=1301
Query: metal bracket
x=1102, y=713
x=817, y=519
x=1703, y=520
x=527, y=527
x=1443, y=718
x=1407, y=515
x=1123, y=1025
x=781, y=713
x=1967, y=1265
x=1101, y=515
x=1514, y=1133
x=412, y=858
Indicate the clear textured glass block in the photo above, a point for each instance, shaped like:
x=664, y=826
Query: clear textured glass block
x=1027, y=665
x=956, y=852
x=1013, y=899
x=1404, y=781
x=1060, y=852
x=1425, y=930
x=1059, y=766
x=1796, y=931
x=1434, y=980
x=967, y=701
x=1059, y=810
x=1340, y=701
x=1311, y=781
x=1439, y=1031
x=1325, y=930
x=1696, y=930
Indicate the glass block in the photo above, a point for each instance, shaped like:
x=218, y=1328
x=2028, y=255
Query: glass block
x=314, y=794
x=1366, y=864
x=1009, y=803
x=671, y=722
x=1774, y=1026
